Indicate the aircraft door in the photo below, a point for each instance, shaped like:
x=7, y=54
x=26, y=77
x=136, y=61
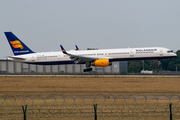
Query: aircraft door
x=161, y=52
x=131, y=53
x=33, y=58
x=59, y=57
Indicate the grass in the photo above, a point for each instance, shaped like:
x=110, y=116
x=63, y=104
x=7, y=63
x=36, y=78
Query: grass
x=89, y=84
x=111, y=108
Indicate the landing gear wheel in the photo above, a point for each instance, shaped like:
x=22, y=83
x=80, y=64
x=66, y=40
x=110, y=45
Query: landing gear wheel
x=87, y=70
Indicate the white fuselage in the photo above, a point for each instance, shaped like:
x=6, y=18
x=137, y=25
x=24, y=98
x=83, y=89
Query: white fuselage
x=51, y=58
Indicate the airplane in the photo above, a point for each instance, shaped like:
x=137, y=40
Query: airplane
x=100, y=58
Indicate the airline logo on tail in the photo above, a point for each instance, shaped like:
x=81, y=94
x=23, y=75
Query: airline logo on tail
x=16, y=44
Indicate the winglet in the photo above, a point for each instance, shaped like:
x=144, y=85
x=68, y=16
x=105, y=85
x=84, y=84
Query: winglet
x=63, y=50
x=77, y=49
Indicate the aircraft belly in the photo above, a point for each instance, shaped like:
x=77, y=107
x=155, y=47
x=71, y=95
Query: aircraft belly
x=141, y=58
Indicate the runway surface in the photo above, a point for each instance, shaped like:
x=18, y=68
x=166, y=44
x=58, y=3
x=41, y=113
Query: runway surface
x=89, y=75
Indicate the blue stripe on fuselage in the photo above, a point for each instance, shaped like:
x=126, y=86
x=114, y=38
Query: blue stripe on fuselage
x=110, y=60
x=51, y=63
x=140, y=58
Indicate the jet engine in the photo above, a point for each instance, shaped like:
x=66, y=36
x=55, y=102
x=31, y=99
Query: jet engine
x=101, y=63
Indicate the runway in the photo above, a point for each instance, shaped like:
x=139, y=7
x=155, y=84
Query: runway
x=167, y=76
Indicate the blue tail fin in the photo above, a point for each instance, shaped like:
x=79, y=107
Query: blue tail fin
x=77, y=49
x=63, y=50
x=17, y=46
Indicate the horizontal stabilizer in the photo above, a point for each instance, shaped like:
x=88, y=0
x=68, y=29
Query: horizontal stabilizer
x=16, y=58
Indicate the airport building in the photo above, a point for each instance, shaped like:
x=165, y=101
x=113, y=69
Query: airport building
x=17, y=67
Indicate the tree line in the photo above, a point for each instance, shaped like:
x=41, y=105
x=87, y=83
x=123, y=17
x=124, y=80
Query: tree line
x=152, y=65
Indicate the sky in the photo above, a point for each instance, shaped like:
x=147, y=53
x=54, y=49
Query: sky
x=45, y=24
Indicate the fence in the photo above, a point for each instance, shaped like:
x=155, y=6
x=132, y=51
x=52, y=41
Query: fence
x=81, y=107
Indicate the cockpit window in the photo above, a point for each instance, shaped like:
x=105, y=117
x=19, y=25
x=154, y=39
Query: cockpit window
x=170, y=51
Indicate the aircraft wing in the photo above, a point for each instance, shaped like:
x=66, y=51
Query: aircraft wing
x=81, y=59
x=78, y=58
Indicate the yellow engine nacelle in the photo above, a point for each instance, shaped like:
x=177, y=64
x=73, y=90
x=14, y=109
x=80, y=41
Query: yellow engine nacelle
x=101, y=63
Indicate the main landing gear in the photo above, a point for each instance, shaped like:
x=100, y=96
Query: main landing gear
x=87, y=70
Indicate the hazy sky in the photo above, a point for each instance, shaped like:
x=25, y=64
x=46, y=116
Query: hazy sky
x=45, y=24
